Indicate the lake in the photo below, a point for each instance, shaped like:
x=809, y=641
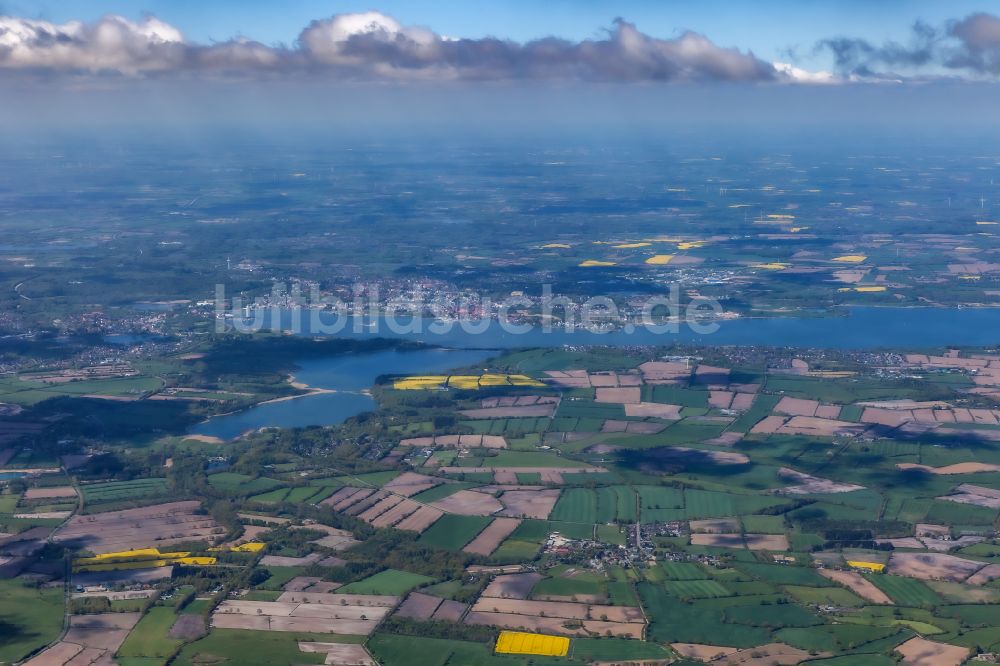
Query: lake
x=858, y=328
x=854, y=328
x=349, y=376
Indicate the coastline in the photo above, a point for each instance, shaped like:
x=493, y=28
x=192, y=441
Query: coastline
x=309, y=391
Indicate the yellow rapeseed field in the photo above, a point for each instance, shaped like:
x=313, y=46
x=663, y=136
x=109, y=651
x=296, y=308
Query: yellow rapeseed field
x=869, y=289
x=851, y=258
x=771, y=266
x=517, y=642
x=420, y=382
x=140, y=558
x=493, y=380
x=468, y=382
x=549, y=246
x=125, y=555
x=590, y=263
x=868, y=566
x=463, y=381
x=691, y=245
x=629, y=246
x=659, y=259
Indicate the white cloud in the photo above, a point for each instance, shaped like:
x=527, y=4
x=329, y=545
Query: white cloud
x=112, y=43
x=797, y=75
x=374, y=46
x=372, y=43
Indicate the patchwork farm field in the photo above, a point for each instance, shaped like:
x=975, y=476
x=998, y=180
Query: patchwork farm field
x=693, y=506
x=116, y=491
x=389, y=582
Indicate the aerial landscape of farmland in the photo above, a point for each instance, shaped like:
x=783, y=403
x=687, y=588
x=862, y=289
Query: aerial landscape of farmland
x=595, y=504
x=506, y=333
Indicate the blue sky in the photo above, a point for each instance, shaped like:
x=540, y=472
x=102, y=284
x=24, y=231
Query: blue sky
x=767, y=27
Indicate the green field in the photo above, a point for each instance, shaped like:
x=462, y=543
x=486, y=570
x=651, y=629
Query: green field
x=683, y=571
x=24, y=391
x=622, y=594
x=252, y=648
x=299, y=495
x=390, y=581
x=115, y=491
x=451, y=531
x=712, y=504
x=271, y=496
x=366, y=480
x=516, y=550
x=851, y=413
x=905, y=591
x=833, y=638
x=30, y=618
x=611, y=534
x=783, y=574
x=8, y=502
x=660, y=503
x=391, y=650
x=506, y=458
x=854, y=660
x=607, y=504
x=614, y=649
x=824, y=596
x=149, y=637
x=774, y=616
x=676, y=395
x=589, y=409
x=761, y=407
x=697, y=589
x=672, y=621
x=763, y=524
x=576, y=505
x=626, y=508
x=280, y=576
x=241, y=484
x=566, y=587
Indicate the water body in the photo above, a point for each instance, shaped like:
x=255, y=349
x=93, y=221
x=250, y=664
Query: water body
x=859, y=328
x=349, y=376
x=855, y=328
